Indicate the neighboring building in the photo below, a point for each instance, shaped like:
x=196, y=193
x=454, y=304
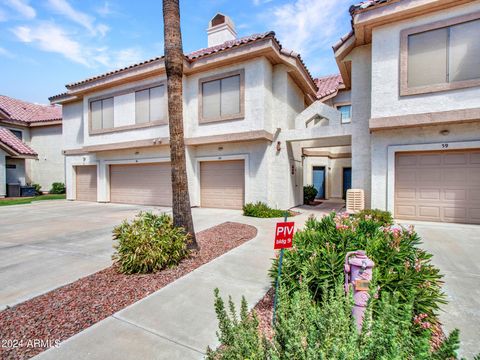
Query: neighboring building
x=30, y=144
x=410, y=71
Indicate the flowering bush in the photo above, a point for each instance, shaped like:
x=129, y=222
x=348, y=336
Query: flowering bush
x=401, y=267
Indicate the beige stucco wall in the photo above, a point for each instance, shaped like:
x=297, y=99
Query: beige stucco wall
x=49, y=167
x=72, y=132
x=333, y=173
x=382, y=140
x=361, y=100
x=385, y=71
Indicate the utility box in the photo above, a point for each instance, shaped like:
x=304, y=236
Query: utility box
x=355, y=200
x=13, y=190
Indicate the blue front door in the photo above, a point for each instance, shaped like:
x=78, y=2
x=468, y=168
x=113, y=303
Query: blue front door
x=347, y=180
x=319, y=181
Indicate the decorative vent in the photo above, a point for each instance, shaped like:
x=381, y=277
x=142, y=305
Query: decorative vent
x=355, y=200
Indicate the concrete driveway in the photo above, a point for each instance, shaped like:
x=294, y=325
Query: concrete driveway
x=456, y=248
x=48, y=244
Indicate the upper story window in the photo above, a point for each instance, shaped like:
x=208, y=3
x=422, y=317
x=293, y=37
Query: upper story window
x=221, y=97
x=102, y=114
x=441, y=56
x=150, y=105
x=17, y=133
x=346, y=112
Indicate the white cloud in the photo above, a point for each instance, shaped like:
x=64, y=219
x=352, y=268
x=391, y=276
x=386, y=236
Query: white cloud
x=4, y=52
x=105, y=9
x=52, y=38
x=306, y=25
x=261, y=2
x=22, y=7
x=64, y=8
x=3, y=16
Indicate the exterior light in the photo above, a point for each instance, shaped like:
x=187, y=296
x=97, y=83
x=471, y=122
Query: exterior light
x=279, y=145
x=445, y=132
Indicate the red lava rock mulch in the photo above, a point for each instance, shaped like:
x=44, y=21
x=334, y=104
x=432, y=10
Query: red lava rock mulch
x=264, y=311
x=61, y=313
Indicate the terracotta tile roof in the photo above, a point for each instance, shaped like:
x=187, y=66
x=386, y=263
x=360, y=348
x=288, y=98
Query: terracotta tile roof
x=193, y=56
x=367, y=5
x=25, y=112
x=10, y=140
x=328, y=85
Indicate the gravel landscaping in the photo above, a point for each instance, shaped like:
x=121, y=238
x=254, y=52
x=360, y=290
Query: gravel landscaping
x=61, y=313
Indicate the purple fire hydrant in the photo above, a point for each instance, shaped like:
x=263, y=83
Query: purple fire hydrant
x=358, y=274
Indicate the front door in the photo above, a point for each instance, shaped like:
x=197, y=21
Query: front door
x=318, y=177
x=347, y=180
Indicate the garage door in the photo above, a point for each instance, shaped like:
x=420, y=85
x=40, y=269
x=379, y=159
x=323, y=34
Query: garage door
x=86, y=182
x=222, y=184
x=438, y=186
x=143, y=184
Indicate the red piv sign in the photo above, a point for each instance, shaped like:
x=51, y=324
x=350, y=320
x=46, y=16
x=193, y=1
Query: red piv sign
x=284, y=235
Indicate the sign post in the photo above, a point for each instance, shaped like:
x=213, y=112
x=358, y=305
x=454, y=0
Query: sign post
x=283, y=240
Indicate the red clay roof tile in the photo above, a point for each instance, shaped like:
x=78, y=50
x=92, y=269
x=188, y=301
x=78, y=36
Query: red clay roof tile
x=328, y=85
x=25, y=112
x=17, y=145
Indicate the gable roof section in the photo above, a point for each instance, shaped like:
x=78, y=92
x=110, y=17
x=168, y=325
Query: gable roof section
x=191, y=58
x=328, y=86
x=27, y=113
x=13, y=145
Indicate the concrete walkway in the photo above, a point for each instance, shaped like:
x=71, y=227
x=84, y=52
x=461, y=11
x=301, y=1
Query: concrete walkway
x=179, y=321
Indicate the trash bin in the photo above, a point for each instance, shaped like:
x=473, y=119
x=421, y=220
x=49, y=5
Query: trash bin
x=13, y=190
x=27, y=191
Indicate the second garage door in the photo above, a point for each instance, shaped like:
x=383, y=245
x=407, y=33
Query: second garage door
x=222, y=184
x=438, y=186
x=142, y=184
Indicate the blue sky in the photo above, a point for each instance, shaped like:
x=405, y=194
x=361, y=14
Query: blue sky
x=45, y=44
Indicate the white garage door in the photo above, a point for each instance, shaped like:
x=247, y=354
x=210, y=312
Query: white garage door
x=142, y=184
x=222, y=184
x=438, y=186
x=86, y=182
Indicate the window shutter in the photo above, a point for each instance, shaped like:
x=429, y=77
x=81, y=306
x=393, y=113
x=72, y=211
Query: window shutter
x=107, y=113
x=211, y=99
x=230, y=98
x=142, y=106
x=157, y=103
x=464, y=62
x=427, y=58
x=96, y=113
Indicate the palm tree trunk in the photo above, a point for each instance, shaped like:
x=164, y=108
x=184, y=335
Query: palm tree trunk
x=182, y=213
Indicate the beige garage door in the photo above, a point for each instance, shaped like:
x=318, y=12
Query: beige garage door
x=143, y=184
x=438, y=186
x=222, y=184
x=86, y=182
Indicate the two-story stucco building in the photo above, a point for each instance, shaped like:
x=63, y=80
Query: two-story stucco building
x=410, y=74
x=401, y=121
x=239, y=93
x=30, y=145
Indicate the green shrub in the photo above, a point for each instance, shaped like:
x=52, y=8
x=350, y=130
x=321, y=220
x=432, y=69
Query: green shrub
x=384, y=218
x=57, y=188
x=149, y=243
x=308, y=330
x=401, y=267
x=38, y=189
x=262, y=210
x=309, y=194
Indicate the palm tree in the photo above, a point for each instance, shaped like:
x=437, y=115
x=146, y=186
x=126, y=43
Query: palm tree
x=182, y=213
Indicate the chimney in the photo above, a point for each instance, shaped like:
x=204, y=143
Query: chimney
x=220, y=29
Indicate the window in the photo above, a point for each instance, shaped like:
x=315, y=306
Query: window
x=150, y=105
x=346, y=111
x=17, y=133
x=221, y=98
x=102, y=114
x=441, y=56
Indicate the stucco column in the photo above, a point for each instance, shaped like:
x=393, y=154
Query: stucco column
x=361, y=110
x=3, y=175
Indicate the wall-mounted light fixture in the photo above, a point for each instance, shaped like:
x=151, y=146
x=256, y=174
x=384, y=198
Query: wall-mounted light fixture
x=220, y=148
x=279, y=145
x=445, y=132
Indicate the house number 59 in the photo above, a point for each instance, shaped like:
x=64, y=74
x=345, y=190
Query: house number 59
x=444, y=146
